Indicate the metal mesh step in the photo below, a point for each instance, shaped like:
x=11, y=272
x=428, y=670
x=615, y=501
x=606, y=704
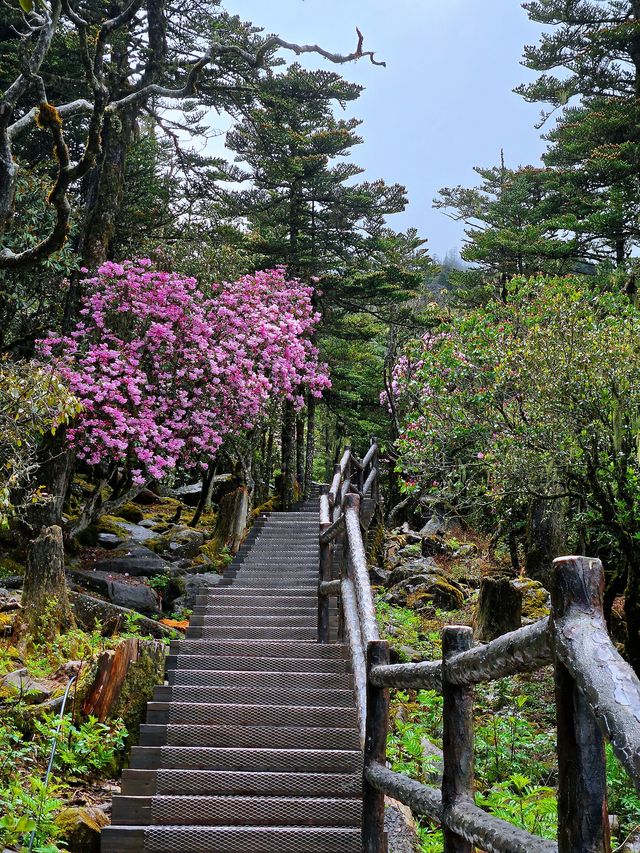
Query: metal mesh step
x=237, y=620
x=259, y=648
x=269, y=633
x=171, y=839
x=280, y=737
x=253, y=610
x=254, y=664
x=258, y=680
x=243, y=714
x=283, y=695
x=248, y=760
x=293, y=593
x=236, y=811
x=233, y=783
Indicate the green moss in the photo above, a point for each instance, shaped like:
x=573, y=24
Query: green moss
x=10, y=567
x=535, y=598
x=131, y=512
x=137, y=690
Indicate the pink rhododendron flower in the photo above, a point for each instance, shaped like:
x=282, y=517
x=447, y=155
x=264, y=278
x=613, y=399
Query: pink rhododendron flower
x=165, y=373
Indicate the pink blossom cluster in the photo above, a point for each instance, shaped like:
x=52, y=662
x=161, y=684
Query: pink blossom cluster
x=165, y=373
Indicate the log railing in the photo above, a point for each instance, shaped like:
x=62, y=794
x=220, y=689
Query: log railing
x=597, y=692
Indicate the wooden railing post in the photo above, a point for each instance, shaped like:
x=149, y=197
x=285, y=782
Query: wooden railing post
x=583, y=822
x=375, y=751
x=326, y=567
x=375, y=463
x=337, y=509
x=457, y=737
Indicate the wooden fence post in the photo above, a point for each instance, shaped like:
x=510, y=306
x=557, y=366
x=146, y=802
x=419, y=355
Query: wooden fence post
x=326, y=561
x=375, y=750
x=457, y=737
x=375, y=491
x=583, y=822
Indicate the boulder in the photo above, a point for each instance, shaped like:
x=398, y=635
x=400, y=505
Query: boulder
x=197, y=585
x=411, y=550
x=32, y=690
x=136, y=532
x=465, y=551
x=423, y=565
x=423, y=591
x=108, y=541
x=536, y=600
x=400, y=827
x=184, y=542
x=433, y=545
x=130, y=512
x=189, y=495
x=135, y=560
x=138, y=597
x=9, y=600
x=80, y=828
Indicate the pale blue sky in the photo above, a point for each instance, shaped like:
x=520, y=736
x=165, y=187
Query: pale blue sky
x=443, y=104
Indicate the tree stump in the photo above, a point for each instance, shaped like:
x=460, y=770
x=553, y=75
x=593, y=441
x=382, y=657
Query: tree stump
x=123, y=680
x=45, y=602
x=231, y=521
x=499, y=609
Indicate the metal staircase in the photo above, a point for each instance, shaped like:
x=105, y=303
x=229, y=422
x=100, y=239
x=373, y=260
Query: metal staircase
x=253, y=744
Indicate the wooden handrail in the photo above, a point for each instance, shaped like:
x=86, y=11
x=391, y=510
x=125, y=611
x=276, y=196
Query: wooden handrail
x=597, y=693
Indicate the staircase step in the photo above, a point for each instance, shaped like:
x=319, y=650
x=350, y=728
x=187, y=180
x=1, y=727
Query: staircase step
x=228, y=620
x=253, y=694
x=275, y=737
x=252, y=745
x=253, y=664
x=247, y=760
x=256, y=679
x=222, y=610
x=258, y=648
x=202, y=713
x=230, y=811
x=256, y=633
x=218, y=593
x=246, y=839
x=232, y=783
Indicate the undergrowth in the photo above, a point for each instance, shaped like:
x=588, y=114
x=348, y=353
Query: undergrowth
x=515, y=739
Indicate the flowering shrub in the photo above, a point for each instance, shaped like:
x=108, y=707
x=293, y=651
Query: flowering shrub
x=164, y=373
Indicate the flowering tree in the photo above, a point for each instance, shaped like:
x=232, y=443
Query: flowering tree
x=535, y=400
x=164, y=372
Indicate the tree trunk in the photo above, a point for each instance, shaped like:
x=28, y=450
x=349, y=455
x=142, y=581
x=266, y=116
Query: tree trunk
x=632, y=616
x=287, y=481
x=268, y=465
x=311, y=444
x=204, y=501
x=104, y=198
x=499, y=609
x=55, y=467
x=45, y=603
x=300, y=456
x=545, y=539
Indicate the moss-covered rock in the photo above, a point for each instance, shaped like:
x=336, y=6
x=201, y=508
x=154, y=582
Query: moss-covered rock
x=131, y=512
x=10, y=567
x=80, y=828
x=536, y=600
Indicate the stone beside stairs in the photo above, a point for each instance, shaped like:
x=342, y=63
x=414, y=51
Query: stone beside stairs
x=252, y=746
